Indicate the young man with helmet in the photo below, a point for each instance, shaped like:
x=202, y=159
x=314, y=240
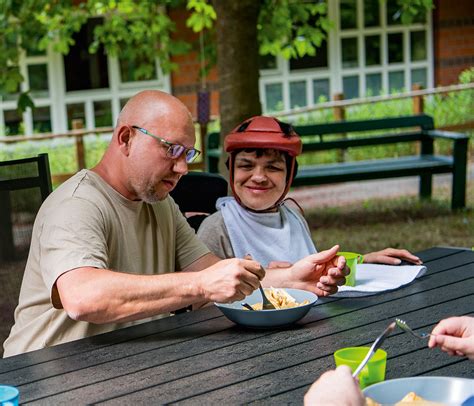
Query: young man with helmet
x=257, y=220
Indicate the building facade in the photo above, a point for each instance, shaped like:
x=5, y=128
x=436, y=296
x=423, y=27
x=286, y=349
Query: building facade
x=368, y=52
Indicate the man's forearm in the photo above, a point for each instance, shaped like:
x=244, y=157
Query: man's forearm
x=104, y=296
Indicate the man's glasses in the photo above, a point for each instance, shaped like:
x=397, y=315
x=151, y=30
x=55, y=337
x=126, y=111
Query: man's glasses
x=174, y=150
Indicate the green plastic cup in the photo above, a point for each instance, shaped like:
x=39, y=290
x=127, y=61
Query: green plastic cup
x=372, y=373
x=352, y=259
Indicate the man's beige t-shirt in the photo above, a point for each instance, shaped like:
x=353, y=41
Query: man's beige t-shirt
x=86, y=223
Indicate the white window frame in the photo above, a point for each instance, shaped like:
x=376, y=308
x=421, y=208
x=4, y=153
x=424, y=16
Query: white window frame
x=58, y=97
x=335, y=72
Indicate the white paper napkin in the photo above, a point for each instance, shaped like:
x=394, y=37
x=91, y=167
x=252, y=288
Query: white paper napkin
x=375, y=278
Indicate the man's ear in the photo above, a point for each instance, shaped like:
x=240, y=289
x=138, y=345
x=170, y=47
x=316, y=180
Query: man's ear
x=124, y=138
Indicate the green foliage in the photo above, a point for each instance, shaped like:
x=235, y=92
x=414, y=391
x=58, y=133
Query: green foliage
x=413, y=9
x=137, y=30
x=292, y=29
x=202, y=17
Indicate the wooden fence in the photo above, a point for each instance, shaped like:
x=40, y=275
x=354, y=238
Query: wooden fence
x=338, y=104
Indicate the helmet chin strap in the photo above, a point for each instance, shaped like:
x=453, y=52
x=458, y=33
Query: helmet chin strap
x=270, y=209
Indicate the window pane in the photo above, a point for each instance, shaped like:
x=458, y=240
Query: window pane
x=350, y=86
x=84, y=71
x=372, y=50
x=418, y=45
x=373, y=83
x=394, y=12
x=274, y=97
x=396, y=81
x=419, y=76
x=13, y=122
x=267, y=62
x=349, y=52
x=348, y=9
x=103, y=113
x=320, y=60
x=135, y=70
x=12, y=95
x=371, y=13
x=123, y=102
x=298, y=94
x=395, y=48
x=75, y=112
x=320, y=90
x=41, y=120
x=38, y=77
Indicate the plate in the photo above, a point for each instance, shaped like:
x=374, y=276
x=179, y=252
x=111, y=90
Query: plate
x=447, y=390
x=268, y=318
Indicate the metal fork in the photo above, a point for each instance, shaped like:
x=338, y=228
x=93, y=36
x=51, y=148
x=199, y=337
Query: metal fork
x=266, y=304
x=407, y=329
x=375, y=346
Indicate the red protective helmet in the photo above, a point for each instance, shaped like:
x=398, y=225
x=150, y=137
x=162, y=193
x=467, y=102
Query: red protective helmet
x=262, y=132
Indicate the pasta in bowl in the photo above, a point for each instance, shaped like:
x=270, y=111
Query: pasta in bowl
x=291, y=305
x=432, y=389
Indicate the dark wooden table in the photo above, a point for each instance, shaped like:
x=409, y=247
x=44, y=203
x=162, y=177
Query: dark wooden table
x=203, y=358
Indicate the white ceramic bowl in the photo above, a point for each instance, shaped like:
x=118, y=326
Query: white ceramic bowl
x=267, y=318
x=446, y=390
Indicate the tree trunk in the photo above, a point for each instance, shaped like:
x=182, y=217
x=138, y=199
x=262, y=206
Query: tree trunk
x=237, y=62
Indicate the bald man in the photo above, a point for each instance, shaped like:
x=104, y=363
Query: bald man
x=111, y=249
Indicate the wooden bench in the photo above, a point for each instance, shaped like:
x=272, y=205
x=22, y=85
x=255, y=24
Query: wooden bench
x=408, y=129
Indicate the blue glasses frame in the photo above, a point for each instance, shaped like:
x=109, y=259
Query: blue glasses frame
x=174, y=151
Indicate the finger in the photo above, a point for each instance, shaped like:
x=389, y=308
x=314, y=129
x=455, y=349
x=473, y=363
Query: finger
x=330, y=289
x=390, y=260
x=247, y=288
x=336, y=274
x=255, y=268
x=324, y=256
x=452, y=344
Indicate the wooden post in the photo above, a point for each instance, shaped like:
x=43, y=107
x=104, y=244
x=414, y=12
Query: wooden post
x=418, y=101
x=78, y=124
x=340, y=115
x=418, y=108
x=203, y=135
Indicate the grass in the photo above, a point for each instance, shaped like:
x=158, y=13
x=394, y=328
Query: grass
x=399, y=223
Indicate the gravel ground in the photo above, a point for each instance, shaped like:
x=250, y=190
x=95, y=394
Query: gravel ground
x=341, y=194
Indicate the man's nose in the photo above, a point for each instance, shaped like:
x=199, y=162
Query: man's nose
x=180, y=165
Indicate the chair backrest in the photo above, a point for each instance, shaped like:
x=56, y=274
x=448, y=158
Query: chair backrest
x=24, y=185
x=196, y=194
x=26, y=173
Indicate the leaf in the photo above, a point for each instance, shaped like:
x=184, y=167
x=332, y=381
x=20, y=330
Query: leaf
x=24, y=101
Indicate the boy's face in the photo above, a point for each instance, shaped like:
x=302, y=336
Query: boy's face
x=259, y=181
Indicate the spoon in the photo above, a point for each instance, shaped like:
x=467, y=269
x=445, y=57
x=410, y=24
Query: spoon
x=247, y=306
x=375, y=346
x=266, y=304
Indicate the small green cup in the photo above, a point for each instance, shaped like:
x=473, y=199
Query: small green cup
x=352, y=259
x=372, y=373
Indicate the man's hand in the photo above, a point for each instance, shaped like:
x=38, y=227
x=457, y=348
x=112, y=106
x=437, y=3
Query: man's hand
x=230, y=280
x=391, y=256
x=319, y=273
x=336, y=387
x=454, y=336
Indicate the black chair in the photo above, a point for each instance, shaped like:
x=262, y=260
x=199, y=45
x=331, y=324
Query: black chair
x=196, y=194
x=24, y=185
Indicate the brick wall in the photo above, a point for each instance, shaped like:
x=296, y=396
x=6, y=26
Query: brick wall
x=185, y=82
x=453, y=32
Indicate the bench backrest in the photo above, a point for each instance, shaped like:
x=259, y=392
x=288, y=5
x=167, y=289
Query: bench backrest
x=422, y=122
